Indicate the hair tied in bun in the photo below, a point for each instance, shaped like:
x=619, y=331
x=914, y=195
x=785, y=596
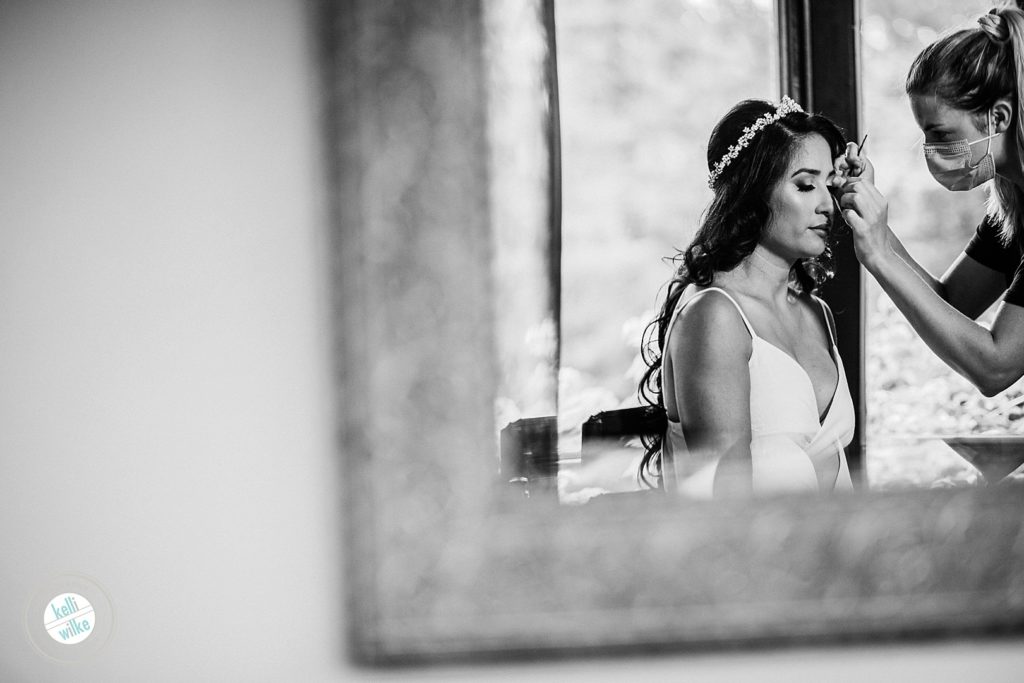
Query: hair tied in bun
x=994, y=26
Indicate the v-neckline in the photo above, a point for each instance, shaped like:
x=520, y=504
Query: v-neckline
x=833, y=349
x=834, y=353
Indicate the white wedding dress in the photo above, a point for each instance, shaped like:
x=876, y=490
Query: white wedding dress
x=787, y=436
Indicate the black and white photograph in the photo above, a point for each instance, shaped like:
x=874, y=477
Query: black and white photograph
x=500, y=340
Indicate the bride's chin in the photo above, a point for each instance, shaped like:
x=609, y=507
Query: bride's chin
x=819, y=250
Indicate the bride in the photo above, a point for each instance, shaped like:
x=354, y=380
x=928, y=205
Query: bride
x=742, y=356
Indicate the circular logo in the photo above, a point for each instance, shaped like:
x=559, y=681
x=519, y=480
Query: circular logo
x=69, y=618
x=75, y=611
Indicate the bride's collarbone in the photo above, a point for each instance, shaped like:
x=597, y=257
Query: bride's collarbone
x=795, y=331
x=793, y=318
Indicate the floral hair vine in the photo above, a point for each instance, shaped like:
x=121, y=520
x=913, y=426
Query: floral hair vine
x=786, y=106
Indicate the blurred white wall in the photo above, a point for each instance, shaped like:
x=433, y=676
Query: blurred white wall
x=164, y=371
x=165, y=379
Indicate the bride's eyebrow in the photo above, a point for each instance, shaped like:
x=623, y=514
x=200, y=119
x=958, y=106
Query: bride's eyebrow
x=812, y=171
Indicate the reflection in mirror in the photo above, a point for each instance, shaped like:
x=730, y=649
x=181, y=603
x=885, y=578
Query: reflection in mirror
x=633, y=161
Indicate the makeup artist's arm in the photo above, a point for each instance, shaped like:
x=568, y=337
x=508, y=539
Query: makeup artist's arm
x=942, y=313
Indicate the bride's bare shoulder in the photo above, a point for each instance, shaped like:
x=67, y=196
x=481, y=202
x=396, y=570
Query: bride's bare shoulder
x=710, y=326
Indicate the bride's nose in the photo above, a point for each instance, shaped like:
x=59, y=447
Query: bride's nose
x=826, y=202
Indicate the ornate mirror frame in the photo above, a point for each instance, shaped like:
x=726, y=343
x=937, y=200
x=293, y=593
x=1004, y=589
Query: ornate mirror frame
x=439, y=565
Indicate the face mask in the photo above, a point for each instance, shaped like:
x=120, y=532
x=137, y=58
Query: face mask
x=950, y=163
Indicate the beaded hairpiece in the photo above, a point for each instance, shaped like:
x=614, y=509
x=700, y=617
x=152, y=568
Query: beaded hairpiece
x=786, y=106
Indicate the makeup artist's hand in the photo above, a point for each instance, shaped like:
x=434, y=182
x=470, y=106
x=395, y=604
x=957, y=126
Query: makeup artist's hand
x=866, y=211
x=852, y=164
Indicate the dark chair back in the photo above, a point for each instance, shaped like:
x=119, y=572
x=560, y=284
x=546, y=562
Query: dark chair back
x=614, y=430
x=529, y=455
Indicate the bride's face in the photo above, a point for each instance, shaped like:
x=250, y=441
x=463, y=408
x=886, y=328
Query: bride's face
x=801, y=203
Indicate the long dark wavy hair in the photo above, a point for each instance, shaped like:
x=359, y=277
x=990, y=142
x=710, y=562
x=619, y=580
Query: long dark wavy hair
x=730, y=228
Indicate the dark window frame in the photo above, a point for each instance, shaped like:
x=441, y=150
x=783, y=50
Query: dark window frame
x=819, y=61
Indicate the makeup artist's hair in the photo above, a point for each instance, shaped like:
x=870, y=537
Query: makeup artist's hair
x=969, y=70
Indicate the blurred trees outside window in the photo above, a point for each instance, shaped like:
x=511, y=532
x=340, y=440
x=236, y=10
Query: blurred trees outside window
x=641, y=85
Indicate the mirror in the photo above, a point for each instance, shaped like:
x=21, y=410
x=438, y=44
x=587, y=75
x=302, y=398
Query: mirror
x=437, y=572
x=632, y=150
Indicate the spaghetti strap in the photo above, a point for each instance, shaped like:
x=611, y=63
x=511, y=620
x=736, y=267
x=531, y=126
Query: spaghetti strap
x=828, y=324
x=683, y=304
